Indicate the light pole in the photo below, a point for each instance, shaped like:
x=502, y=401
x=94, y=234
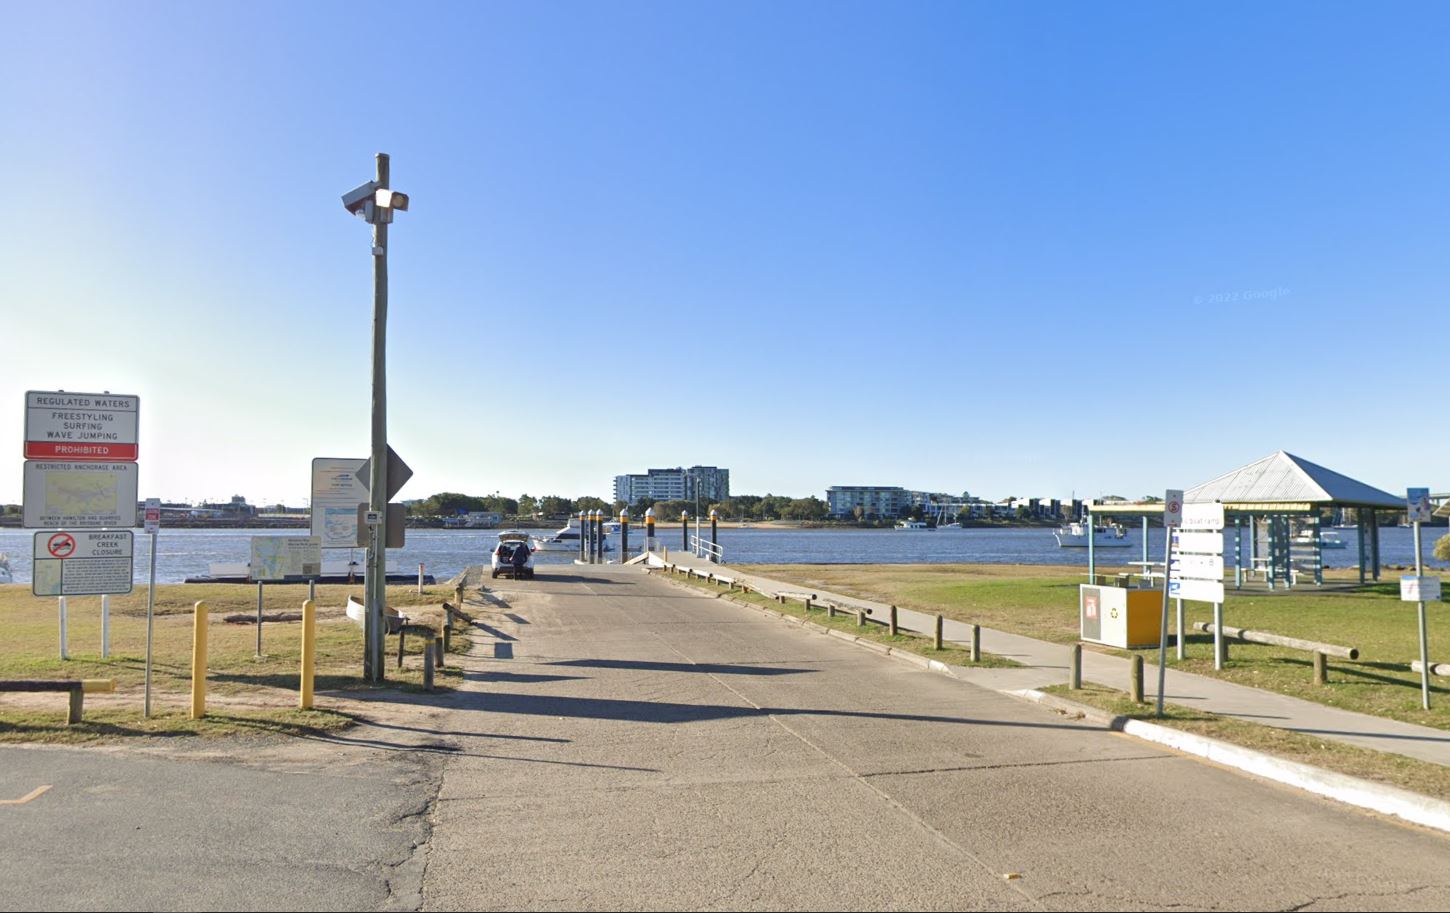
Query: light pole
x=374, y=202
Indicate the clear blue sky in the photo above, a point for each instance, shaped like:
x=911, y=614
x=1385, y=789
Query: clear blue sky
x=1008, y=248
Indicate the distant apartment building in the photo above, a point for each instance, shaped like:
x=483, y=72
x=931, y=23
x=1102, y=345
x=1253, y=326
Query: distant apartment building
x=875, y=501
x=679, y=484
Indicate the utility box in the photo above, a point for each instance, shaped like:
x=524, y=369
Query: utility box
x=1116, y=616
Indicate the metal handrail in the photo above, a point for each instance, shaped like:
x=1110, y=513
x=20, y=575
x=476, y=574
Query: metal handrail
x=703, y=548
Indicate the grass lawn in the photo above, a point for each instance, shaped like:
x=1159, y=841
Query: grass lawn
x=1392, y=769
x=950, y=653
x=245, y=694
x=1041, y=601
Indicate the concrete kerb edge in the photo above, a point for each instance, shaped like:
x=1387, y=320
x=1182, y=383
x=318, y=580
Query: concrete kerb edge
x=1377, y=797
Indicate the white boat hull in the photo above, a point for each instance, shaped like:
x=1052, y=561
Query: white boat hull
x=1100, y=540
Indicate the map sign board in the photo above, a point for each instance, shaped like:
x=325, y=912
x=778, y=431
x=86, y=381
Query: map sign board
x=336, y=492
x=80, y=426
x=285, y=558
x=79, y=495
x=1418, y=507
x=87, y=562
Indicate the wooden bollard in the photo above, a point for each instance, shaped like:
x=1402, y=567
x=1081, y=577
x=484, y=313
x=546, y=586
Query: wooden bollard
x=830, y=610
x=1074, y=678
x=860, y=618
x=936, y=639
x=976, y=643
x=1321, y=669
x=891, y=624
x=1137, y=683
x=428, y=663
x=438, y=652
x=458, y=596
x=808, y=603
x=402, y=636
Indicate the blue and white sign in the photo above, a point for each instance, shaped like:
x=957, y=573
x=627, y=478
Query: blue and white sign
x=1417, y=504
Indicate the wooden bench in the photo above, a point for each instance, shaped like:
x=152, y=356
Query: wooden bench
x=77, y=688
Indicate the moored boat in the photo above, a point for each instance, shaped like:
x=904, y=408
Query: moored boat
x=1075, y=535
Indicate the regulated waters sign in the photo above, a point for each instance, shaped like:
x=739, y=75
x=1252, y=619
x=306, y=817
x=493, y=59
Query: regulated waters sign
x=80, y=426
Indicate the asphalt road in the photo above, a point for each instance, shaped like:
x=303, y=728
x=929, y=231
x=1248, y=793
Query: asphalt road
x=627, y=744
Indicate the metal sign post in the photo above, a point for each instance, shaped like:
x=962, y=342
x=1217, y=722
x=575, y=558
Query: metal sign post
x=1172, y=516
x=1418, y=504
x=153, y=524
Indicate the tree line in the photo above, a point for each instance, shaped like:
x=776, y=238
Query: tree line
x=741, y=507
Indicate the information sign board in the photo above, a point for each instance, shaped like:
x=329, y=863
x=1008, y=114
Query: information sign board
x=80, y=426
x=279, y=558
x=83, y=562
x=79, y=495
x=337, y=490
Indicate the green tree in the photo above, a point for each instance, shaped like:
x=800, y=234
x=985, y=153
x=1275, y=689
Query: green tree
x=1442, y=547
x=811, y=508
x=527, y=506
x=448, y=504
x=591, y=503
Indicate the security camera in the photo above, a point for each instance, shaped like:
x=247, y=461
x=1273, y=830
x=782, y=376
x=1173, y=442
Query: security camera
x=357, y=198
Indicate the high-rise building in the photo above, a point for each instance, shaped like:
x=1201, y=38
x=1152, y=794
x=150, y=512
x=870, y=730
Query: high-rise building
x=678, y=484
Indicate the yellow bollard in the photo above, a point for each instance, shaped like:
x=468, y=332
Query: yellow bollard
x=309, y=652
x=198, y=663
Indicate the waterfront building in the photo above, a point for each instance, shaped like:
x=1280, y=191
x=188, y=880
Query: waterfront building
x=876, y=501
x=678, y=484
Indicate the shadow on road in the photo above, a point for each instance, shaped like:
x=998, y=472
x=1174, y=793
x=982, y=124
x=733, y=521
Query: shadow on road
x=491, y=631
x=663, y=712
x=714, y=668
x=521, y=678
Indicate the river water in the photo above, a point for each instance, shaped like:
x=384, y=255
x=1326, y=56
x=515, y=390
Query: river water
x=183, y=553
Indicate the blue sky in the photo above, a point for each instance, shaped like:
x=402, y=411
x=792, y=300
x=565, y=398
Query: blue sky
x=1014, y=249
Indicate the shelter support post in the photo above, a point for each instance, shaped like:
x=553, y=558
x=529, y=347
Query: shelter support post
x=1318, y=550
x=1238, y=554
x=1374, y=542
x=1359, y=531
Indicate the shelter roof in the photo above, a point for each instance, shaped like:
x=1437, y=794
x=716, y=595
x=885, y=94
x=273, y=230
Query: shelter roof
x=1283, y=478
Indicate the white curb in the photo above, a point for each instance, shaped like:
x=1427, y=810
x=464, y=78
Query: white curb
x=1387, y=800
